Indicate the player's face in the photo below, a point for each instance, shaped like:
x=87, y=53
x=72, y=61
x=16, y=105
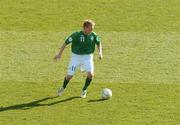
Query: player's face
x=88, y=30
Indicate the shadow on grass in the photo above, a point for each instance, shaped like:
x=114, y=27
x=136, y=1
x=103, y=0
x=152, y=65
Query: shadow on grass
x=33, y=104
x=97, y=100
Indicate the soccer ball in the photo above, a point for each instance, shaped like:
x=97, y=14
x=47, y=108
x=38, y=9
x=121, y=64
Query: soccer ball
x=106, y=93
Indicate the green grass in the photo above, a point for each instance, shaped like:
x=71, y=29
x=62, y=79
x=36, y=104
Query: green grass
x=141, y=47
x=129, y=57
x=131, y=104
x=110, y=15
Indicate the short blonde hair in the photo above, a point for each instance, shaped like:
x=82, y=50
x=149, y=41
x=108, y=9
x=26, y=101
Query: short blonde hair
x=88, y=22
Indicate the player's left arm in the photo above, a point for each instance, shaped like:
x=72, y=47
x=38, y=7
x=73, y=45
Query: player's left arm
x=99, y=46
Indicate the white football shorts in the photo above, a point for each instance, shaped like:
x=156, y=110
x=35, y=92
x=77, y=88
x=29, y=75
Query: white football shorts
x=84, y=62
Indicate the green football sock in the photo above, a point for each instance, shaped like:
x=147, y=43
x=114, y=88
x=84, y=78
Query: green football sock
x=87, y=83
x=65, y=82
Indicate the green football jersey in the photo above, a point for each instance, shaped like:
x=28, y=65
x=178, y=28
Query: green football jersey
x=81, y=43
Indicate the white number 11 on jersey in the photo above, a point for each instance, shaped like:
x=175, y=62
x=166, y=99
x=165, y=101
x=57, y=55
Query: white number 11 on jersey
x=82, y=38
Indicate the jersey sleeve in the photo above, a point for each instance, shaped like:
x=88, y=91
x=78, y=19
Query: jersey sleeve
x=70, y=38
x=97, y=40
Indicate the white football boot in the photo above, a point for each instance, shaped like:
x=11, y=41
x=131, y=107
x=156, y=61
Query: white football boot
x=60, y=91
x=83, y=94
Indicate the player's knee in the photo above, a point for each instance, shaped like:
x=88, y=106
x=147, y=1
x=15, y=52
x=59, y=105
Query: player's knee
x=69, y=77
x=90, y=75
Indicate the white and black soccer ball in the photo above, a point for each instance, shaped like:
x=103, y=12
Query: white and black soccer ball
x=106, y=93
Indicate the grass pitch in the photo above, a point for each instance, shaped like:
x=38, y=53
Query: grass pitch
x=141, y=47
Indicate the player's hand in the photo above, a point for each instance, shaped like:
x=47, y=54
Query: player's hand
x=57, y=57
x=100, y=56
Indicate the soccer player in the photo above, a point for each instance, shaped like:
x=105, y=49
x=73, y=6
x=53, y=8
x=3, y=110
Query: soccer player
x=82, y=47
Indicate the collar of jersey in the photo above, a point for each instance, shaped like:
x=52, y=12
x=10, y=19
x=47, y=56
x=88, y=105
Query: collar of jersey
x=86, y=34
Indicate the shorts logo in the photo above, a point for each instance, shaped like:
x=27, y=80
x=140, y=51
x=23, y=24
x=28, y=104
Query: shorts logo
x=73, y=68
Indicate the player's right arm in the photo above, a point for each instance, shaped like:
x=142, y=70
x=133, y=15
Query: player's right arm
x=67, y=41
x=59, y=54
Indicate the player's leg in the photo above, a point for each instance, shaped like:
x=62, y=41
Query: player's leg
x=88, y=80
x=89, y=68
x=73, y=65
x=67, y=78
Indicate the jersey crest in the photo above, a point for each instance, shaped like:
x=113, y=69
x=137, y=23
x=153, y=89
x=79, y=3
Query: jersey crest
x=92, y=38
